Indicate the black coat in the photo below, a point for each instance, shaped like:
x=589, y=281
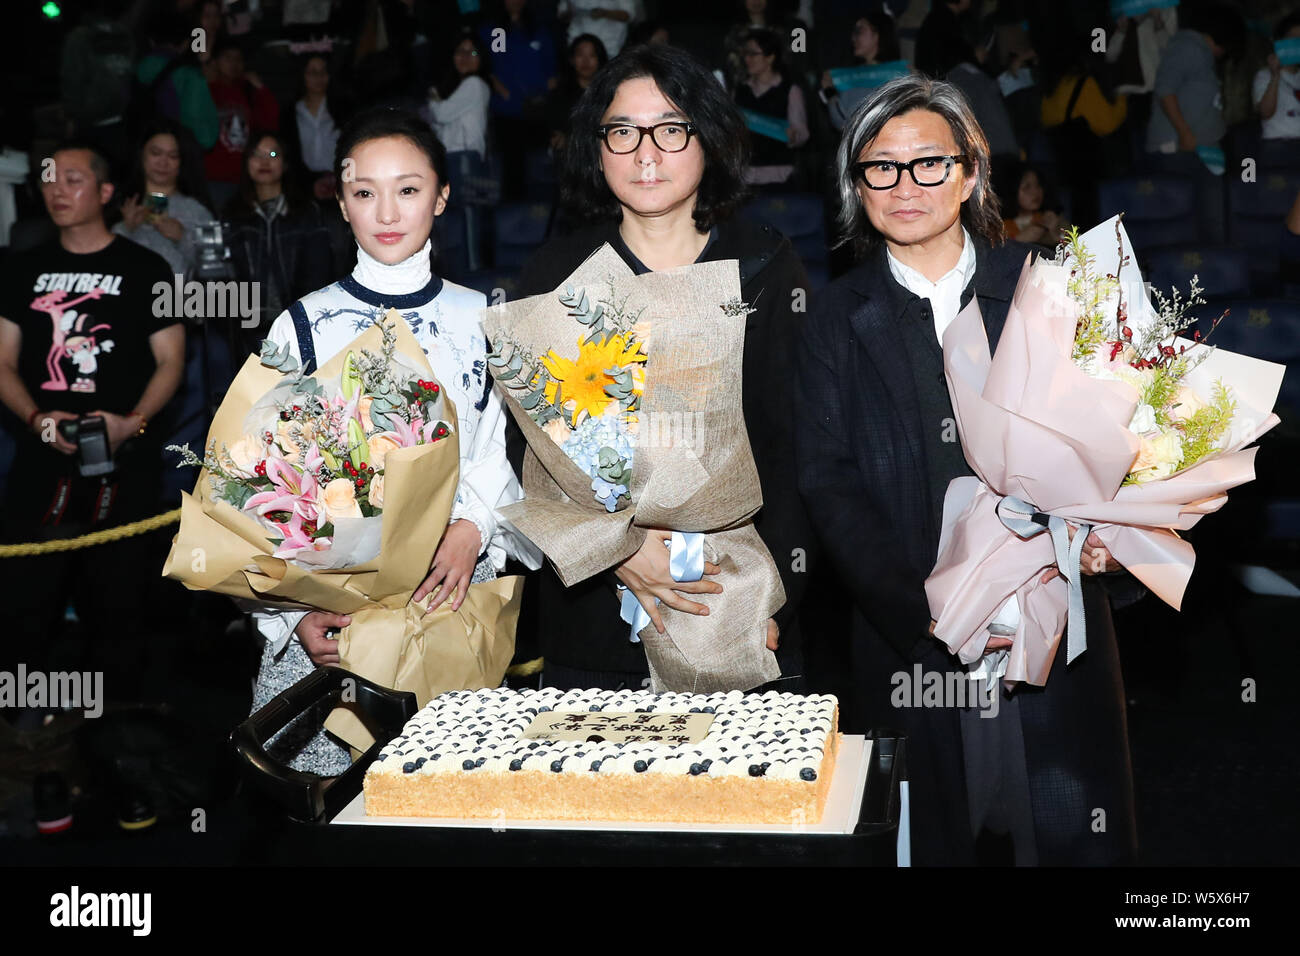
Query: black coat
x=864, y=477
x=579, y=626
x=295, y=251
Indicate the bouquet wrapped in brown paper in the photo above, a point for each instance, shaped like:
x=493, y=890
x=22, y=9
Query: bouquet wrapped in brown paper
x=628, y=391
x=331, y=492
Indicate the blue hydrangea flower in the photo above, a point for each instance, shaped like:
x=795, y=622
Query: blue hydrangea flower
x=583, y=449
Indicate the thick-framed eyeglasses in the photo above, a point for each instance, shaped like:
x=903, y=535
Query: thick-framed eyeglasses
x=624, y=138
x=925, y=171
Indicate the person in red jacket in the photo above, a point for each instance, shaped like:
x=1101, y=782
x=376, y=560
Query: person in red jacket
x=243, y=104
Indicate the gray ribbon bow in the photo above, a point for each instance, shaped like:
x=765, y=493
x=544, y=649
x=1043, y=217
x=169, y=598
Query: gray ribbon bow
x=1026, y=521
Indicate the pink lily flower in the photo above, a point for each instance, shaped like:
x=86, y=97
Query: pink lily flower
x=292, y=491
x=408, y=436
x=295, y=539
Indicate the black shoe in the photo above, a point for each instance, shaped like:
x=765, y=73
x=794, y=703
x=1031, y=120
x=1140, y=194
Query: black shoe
x=53, y=803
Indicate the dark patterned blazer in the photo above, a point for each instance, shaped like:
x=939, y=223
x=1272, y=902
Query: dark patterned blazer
x=863, y=473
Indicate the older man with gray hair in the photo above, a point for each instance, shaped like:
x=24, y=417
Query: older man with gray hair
x=1044, y=776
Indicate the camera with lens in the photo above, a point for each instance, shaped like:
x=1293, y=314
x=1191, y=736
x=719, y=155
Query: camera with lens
x=213, y=255
x=89, y=434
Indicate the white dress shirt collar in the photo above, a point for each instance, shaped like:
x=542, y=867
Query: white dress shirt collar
x=945, y=294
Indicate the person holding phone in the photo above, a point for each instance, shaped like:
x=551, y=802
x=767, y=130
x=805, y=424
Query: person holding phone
x=164, y=203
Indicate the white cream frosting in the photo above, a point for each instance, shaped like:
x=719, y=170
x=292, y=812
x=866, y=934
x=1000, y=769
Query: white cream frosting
x=772, y=735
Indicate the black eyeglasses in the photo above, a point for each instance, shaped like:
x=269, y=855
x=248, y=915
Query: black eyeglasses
x=924, y=170
x=625, y=138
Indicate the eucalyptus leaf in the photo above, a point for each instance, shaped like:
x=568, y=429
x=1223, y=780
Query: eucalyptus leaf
x=277, y=358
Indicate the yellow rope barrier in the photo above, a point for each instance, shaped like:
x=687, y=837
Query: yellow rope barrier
x=527, y=668
x=91, y=539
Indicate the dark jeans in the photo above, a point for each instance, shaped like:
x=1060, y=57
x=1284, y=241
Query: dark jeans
x=465, y=168
x=108, y=585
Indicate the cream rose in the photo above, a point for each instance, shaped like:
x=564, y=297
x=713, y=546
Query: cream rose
x=245, y=454
x=284, y=438
x=340, y=500
x=557, y=431
x=1158, y=457
x=376, y=494
x=1186, y=404
x=380, y=445
x=363, y=409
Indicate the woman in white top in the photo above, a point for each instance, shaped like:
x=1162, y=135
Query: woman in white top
x=393, y=188
x=160, y=211
x=1276, y=90
x=458, y=112
x=318, y=133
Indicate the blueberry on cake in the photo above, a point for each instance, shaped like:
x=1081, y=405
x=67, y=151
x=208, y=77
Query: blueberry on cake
x=611, y=755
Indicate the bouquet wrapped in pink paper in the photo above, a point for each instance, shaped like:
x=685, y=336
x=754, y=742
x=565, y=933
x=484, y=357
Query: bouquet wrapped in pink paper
x=1095, y=411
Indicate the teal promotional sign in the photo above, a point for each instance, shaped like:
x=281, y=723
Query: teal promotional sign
x=867, y=77
x=1212, y=157
x=1135, y=8
x=765, y=125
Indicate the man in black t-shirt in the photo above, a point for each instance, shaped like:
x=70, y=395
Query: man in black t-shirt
x=78, y=337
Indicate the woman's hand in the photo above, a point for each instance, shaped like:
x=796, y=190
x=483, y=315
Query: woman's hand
x=453, y=565
x=133, y=213
x=1187, y=140
x=648, y=575
x=773, y=635
x=827, y=82
x=313, y=632
x=169, y=227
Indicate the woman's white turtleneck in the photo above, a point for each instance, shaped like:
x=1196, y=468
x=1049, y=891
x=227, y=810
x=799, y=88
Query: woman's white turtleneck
x=410, y=275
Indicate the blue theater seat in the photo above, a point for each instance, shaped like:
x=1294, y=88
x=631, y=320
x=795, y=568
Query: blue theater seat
x=801, y=218
x=519, y=229
x=450, y=238
x=1222, y=270
x=1159, y=209
x=1256, y=212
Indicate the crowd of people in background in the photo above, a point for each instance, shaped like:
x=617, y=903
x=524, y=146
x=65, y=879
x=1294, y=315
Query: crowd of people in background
x=213, y=112
x=176, y=92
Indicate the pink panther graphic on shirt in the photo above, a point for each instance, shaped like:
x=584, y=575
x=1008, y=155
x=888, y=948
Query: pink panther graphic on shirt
x=71, y=339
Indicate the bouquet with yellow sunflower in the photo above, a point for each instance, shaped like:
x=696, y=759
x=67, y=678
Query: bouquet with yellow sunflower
x=628, y=390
